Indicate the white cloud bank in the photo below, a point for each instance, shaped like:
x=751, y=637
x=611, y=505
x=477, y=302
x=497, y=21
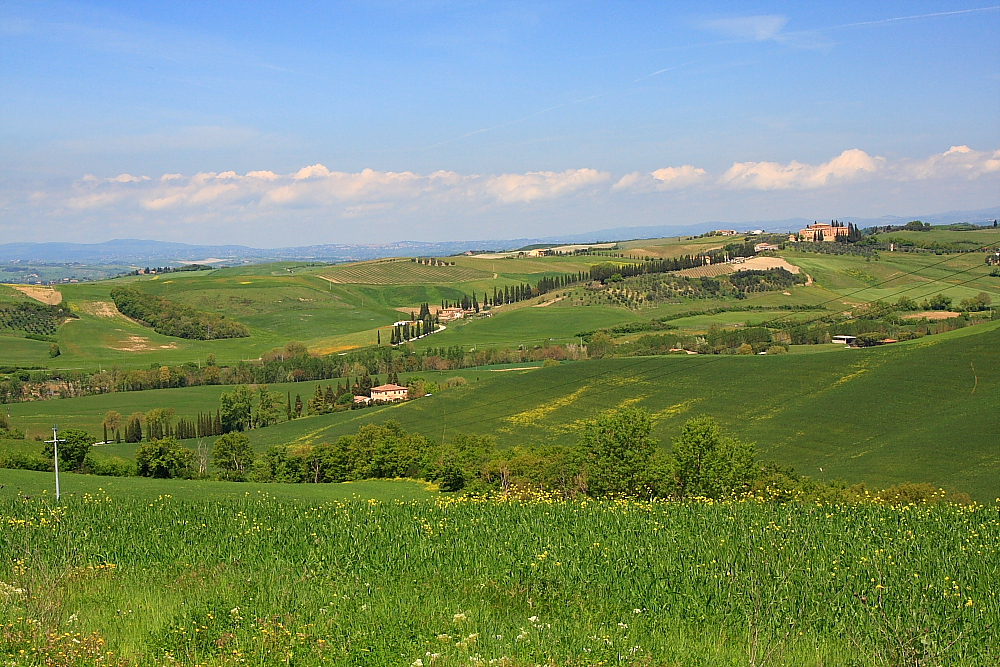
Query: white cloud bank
x=316, y=185
x=323, y=203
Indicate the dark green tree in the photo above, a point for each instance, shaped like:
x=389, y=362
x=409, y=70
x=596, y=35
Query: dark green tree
x=133, y=428
x=233, y=456
x=709, y=462
x=616, y=449
x=164, y=458
x=73, y=452
x=236, y=409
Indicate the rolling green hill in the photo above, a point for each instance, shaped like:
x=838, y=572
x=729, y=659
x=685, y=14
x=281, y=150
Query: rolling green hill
x=923, y=410
x=918, y=411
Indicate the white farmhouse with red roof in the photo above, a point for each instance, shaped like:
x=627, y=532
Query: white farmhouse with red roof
x=388, y=392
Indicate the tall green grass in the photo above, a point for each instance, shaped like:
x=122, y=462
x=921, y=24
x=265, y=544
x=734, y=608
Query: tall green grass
x=255, y=580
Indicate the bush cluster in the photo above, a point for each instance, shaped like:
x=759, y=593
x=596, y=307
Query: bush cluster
x=173, y=319
x=35, y=319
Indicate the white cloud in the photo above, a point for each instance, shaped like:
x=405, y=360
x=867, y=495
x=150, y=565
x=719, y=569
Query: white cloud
x=957, y=161
x=667, y=178
x=510, y=188
x=128, y=178
x=850, y=164
x=319, y=203
x=758, y=28
x=855, y=164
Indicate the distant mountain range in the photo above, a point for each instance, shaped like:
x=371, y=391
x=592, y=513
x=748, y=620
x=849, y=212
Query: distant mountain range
x=138, y=252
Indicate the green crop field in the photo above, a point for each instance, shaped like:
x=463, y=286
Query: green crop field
x=31, y=483
x=835, y=413
x=111, y=578
x=972, y=238
x=916, y=411
x=400, y=272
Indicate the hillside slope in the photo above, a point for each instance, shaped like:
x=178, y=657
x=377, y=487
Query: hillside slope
x=919, y=411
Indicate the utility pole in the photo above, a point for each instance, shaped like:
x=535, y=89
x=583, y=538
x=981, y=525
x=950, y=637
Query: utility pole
x=55, y=451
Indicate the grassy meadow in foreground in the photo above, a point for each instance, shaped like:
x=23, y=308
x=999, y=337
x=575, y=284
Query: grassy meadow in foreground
x=258, y=580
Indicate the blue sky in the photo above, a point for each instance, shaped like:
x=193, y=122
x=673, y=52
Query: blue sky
x=256, y=122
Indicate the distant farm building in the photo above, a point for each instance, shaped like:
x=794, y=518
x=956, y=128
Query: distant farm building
x=449, y=314
x=823, y=232
x=844, y=340
x=765, y=246
x=362, y=399
x=388, y=392
x=725, y=232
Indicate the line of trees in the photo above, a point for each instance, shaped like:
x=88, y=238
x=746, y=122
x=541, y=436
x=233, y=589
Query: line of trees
x=605, y=271
x=174, y=319
x=515, y=293
x=615, y=456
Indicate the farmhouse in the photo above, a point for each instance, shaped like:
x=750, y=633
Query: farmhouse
x=388, y=392
x=362, y=399
x=448, y=314
x=823, y=232
x=765, y=246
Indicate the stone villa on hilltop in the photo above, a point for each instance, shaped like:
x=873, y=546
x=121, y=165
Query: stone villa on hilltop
x=822, y=232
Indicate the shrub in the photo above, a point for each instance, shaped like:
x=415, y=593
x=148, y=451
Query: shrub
x=977, y=303
x=777, y=349
x=24, y=461
x=233, y=456
x=710, y=463
x=616, y=449
x=940, y=302
x=112, y=466
x=164, y=458
x=73, y=452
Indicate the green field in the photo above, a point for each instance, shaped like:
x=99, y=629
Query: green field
x=917, y=411
x=914, y=411
x=905, y=412
x=30, y=483
x=113, y=579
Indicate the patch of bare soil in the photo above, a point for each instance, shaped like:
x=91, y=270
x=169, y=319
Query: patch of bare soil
x=105, y=309
x=548, y=303
x=932, y=315
x=764, y=263
x=44, y=294
x=133, y=343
